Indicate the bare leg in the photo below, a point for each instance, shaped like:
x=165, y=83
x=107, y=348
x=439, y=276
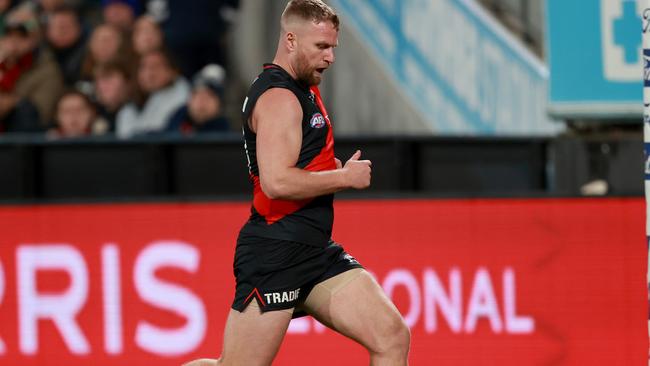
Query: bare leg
x=203, y=362
x=251, y=338
x=361, y=311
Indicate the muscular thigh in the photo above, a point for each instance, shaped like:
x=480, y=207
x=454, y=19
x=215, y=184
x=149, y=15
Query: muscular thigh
x=252, y=338
x=359, y=310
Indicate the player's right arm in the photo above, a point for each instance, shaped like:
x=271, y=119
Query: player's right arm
x=277, y=119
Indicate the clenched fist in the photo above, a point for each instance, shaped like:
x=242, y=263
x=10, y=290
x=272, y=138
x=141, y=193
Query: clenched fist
x=357, y=172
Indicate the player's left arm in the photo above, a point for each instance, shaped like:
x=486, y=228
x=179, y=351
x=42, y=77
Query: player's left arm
x=277, y=119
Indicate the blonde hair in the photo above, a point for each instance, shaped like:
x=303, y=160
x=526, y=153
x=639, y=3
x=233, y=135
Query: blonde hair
x=314, y=10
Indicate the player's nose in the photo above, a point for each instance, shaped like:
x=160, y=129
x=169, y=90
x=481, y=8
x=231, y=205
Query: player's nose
x=329, y=56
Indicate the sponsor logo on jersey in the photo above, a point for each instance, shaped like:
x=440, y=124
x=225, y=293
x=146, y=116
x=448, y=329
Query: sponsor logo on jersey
x=281, y=297
x=317, y=121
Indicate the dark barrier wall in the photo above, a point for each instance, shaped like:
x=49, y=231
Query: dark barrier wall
x=216, y=166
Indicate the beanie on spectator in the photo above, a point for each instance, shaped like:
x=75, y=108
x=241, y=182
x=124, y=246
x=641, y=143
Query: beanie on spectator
x=212, y=77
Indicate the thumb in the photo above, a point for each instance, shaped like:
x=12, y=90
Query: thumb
x=356, y=155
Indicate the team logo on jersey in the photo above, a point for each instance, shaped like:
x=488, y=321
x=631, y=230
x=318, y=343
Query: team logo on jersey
x=350, y=259
x=317, y=121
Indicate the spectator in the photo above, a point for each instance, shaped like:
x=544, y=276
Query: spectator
x=203, y=112
x=5, y=6
x=44, y=8
x=76, y=117
x=113, y=90
x=107, y=43
x=194, y=30
x=27, y=72
x=164, y=91
x=48, y=6
x=17, y=115
x=147, y=35
x=87, y=10
x=67, y=38
x=121, y=13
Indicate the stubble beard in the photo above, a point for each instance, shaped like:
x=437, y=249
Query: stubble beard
x=305, y=73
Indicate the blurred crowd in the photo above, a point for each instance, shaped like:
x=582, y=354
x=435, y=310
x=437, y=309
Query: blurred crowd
x=71, y=68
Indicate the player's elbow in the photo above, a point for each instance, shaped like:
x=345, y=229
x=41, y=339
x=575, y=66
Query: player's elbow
x=272, y=193
x=274, y=189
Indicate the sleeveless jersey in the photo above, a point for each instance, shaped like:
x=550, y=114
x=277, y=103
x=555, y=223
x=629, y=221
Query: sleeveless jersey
x=306, y=221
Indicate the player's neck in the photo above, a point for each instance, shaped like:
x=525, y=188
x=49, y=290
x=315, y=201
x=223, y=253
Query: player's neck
x=286, y=65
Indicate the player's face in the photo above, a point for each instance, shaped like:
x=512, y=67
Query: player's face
x=315, y=52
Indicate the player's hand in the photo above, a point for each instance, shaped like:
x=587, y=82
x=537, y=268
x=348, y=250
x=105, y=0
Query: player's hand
x=339, y=165
x=358, y=171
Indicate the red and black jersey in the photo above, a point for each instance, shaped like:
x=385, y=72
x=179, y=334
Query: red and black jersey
x=306, y=221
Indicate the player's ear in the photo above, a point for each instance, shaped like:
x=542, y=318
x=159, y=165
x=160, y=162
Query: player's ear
x=291, y=41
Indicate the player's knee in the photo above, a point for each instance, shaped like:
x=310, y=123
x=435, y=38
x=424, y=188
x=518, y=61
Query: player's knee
x=395, y=337
x=402, y=336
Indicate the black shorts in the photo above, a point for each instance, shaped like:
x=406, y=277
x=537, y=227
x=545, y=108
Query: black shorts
x=279, y=274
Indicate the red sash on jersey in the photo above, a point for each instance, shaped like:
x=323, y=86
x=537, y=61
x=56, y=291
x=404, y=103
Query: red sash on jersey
x=274, y=210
